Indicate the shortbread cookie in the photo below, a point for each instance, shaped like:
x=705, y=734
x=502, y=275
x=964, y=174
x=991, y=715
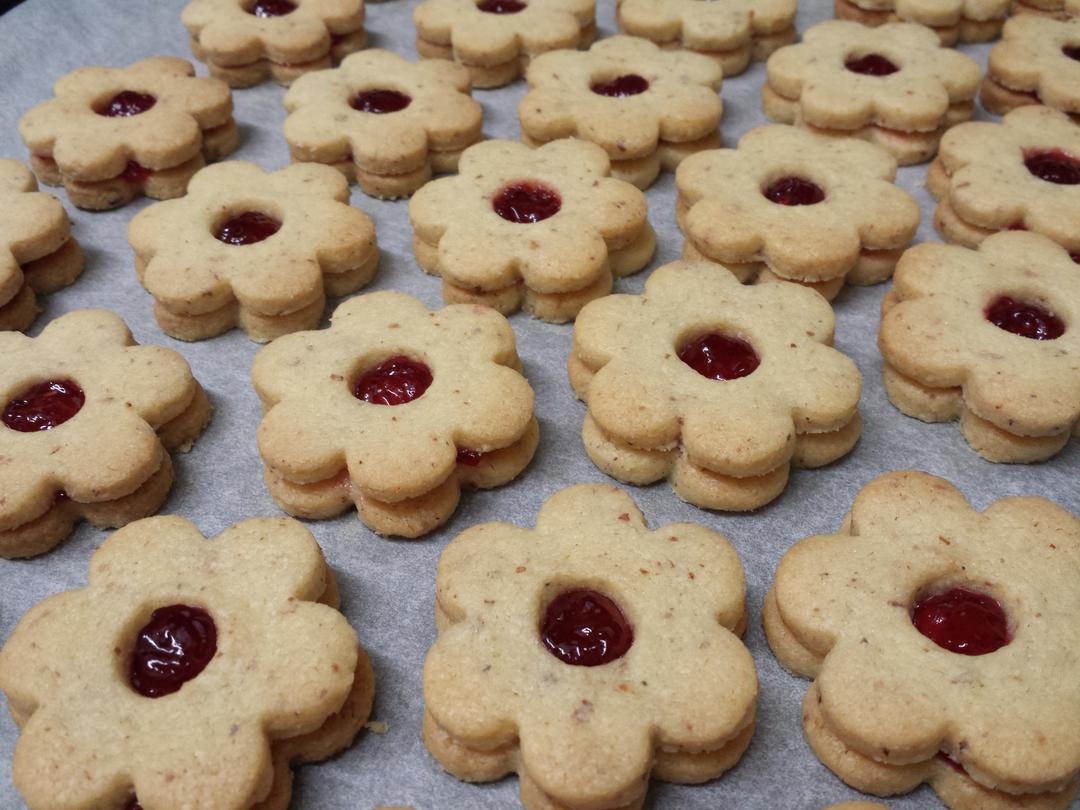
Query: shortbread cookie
x=648, y=108
x=393, y=409
x=111, y=134
x=942, y=642
x=542, y=229
x=563, y=652
x=38, y=254
x=495, y=39
x=989, y=337
x=219, y=643
x=254, y=249
x=716, y=386
x=953, y=20
x=1021, y=174
x=894, y=85
x=245, y=42
x=88, y=421
x=730, y=31
x=384, y=121
x=1036, y=62
x=808, y=208
x=1055, y=9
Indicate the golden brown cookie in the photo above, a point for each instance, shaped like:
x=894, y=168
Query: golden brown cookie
x=254, y=249
x=953, y=20
x=563, y=654
x=188, y=673
x=111, y=134
x=393, y=408
x=937, y=637
x=716, y=386
x=1036, y=62
x=542, y=229
x=648, y=108
x=245, y=42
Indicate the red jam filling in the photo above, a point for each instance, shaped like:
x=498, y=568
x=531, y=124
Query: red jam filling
x=380, y=101
x=1024, y=319
x=952, y=763
x=526, y=202
x=629, y=85
x=470, y=458
x=720, y=357
x=1072, y=51
x=794, y=191
x=1075, y=257
x=171, y=649
x=271, y=8
x=247, y=228
x=1054, y=166
x=135, y=173
x=873, y=64
x=133, y=804
x=44, y=406
x=393, y=382
x=126, y=104
x=501, y=6
x=585, y=628
x=962, y=621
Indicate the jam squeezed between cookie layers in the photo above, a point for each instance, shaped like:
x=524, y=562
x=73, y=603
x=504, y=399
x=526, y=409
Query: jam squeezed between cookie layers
x=962, y=621
x=135, y=173
x=470, y=458
x=247, y=228
x=380, y=102
x=585, y=628
x=1024, y=319
x=526, y=202
x=501, y=6
x=44, y=406
x=719, y=356
x=394, y=381
x=126, y=104
x=792, y=190
x=1053, y=166
x=630, y=84
x=873, y=64
x=1072, y=51
x=271, y=8
x=171, y=649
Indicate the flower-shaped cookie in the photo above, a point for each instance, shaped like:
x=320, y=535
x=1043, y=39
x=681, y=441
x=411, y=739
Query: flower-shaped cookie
x=1023, y=173
x=564, y=654
x=943, y=644
x=894, y=85
x=1055, y=9
x=730, y=31
x=717, y=386
x=495, y=39
x=1036, y=62
x=245, y=42
x=542, y=229
x=393, y=408
x=952, y=20
x=648, y=108
x=383, y=120
x=173, y=677
x=87, y=422
x=37, y=251
x=807, y=207
x=990, y=337
x=255, y=249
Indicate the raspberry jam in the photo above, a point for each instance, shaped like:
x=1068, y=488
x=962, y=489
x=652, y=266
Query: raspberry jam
x=585, y=628
x=271, y=8
x=44, y=406
x=171, y=649
x=1054, y=166
x=1024, y=319
x=962, y=621
x=393, y=382
x=629, y=85
x=1072, y=51
x=501, y=6
x=952, y=763
x=126, y=104
x=133, y=804
x=720, y=357
x=793, y=190
x=247, y=228
x=1075, y=257
x=135, y=173
x=526, y=202
x=470, y=458
x=380, y=101
x=873, y=64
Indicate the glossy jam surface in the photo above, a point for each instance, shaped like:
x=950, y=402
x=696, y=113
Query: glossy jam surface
x=380, y=101
x=793, y=190
x=622, y=86
x=171, y=649
x=271, y=8
x=393, y=382
x=873, y=64
x=247, y=228
x=133, y=804
x=470, y=458
x=952, y=763
x=1072, y=51
x=44, y=406
x=126, y=104
x=585, y=628
x=720, y=357
x=135, y=173
x=1054, y=166
x=526, y=202
x=1075, y=257
x=962, y=621
x=1024, y=319
x=501, y=6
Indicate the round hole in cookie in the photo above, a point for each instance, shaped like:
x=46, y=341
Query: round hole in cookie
x=1024, y=318
x=395, y=381
x=629, y=84
x=271, y=8
x=379, y=102
x=125, y=104
x=585, y=628
x=43, y=406
x=526, y=202
x=173, y=647
x=719, y=356
x=962, y=620
x=871, y=64
x=501, y=6
x=1071, y=51
x=1053, y=166
x=794, y=190
x=247, y=228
